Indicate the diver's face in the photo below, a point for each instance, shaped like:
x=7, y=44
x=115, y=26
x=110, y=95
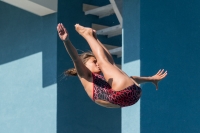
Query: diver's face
x=92, y=65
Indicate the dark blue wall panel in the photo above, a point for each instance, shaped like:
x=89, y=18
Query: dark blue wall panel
x=170, y=39
x=76, y=113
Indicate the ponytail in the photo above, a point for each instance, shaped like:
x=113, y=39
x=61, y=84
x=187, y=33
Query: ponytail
x=84, y=58
x=71, y=72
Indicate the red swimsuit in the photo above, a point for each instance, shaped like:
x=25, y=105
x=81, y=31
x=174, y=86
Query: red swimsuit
x=103, y=91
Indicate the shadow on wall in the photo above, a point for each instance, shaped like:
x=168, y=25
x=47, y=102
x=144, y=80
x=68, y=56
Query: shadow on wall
x=131, y=31
x=23, y=34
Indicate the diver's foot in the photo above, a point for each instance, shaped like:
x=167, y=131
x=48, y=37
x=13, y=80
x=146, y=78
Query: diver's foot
x=84, y=31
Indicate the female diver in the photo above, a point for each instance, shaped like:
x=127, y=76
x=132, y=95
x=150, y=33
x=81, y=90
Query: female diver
x=103, y=81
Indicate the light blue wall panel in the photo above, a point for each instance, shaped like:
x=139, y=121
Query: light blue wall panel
x=25, y=106
x=131, y=115
x=28, y=88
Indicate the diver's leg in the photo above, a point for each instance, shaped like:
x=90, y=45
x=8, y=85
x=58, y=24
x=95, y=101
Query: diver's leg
x=117, y=79
x=108, y=55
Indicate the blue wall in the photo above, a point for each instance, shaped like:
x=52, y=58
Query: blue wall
x=76, y=112
x=28, y=71
x=170, y=39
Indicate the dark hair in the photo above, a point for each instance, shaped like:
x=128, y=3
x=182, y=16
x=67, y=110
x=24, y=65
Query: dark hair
x=84, y=58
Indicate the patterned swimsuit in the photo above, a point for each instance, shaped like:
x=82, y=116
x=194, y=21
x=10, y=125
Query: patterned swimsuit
x=103, y=91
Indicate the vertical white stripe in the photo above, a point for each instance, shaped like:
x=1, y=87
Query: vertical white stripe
x=131, y=60
x=131, y=114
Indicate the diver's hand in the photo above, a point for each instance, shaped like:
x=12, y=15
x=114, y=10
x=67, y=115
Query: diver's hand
x=62, y=32
x=158, y=76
